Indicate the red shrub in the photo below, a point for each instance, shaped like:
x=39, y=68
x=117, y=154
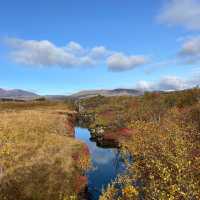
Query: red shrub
x=80, y=183
x=125, y=132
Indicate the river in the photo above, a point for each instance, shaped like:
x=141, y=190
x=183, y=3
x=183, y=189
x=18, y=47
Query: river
x=106, y=162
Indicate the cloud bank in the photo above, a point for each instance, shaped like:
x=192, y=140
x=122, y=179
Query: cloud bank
x=45, y=53
x=185, y=13
x=169, y=83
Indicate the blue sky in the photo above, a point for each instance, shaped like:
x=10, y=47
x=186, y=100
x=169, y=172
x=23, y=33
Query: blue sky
x=61, y=47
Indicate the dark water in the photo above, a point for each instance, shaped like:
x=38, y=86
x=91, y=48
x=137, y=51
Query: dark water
x=106, y=162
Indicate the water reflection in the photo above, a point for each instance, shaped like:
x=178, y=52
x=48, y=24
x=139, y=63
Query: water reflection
x=106, y=163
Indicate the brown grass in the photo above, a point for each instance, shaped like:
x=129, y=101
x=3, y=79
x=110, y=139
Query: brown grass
x=36, y=152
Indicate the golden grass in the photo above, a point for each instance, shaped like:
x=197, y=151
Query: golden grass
x=36, y=153
x=34, y=105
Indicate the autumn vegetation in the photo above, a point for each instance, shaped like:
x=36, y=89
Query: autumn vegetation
x=158, y=135
x=161, y=133
x=39, y=158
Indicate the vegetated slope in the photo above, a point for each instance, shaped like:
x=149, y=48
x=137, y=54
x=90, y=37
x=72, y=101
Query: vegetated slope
x=39, y=158
x=16, y=93
x=161, y=132
x=115, y=92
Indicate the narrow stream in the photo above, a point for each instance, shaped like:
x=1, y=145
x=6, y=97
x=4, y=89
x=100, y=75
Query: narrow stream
x=106, y=162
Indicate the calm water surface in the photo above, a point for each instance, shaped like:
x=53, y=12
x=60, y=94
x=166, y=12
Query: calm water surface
x=106, y=163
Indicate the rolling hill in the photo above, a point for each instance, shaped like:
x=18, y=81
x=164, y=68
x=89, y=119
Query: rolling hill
x=115, y=92
x=17, y=94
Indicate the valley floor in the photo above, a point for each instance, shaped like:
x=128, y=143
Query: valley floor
x=158, y=135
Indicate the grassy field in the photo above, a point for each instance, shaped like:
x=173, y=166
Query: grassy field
x=38, y=156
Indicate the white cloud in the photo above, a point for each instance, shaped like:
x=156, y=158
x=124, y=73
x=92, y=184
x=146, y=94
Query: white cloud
x=74, y=47
x=45, y=53
x=121, y=62
x=188, y=55
x=144, y=85
x=184, y=13
x=99, y=52
x=41, y=53
x=190, y=51
x=165, y=84
x=171, y=83
x=86, y=60
x=191, y=46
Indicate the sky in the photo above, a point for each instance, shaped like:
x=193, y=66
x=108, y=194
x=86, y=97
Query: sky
x=62, y=47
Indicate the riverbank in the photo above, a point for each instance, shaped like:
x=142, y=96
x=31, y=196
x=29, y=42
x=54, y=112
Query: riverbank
x=160, y=131
x=39, y=157
x=105, y=135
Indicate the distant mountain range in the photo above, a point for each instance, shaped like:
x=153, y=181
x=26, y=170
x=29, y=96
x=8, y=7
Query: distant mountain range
x=17, y=94
x=26, y=95
x=115, y=92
